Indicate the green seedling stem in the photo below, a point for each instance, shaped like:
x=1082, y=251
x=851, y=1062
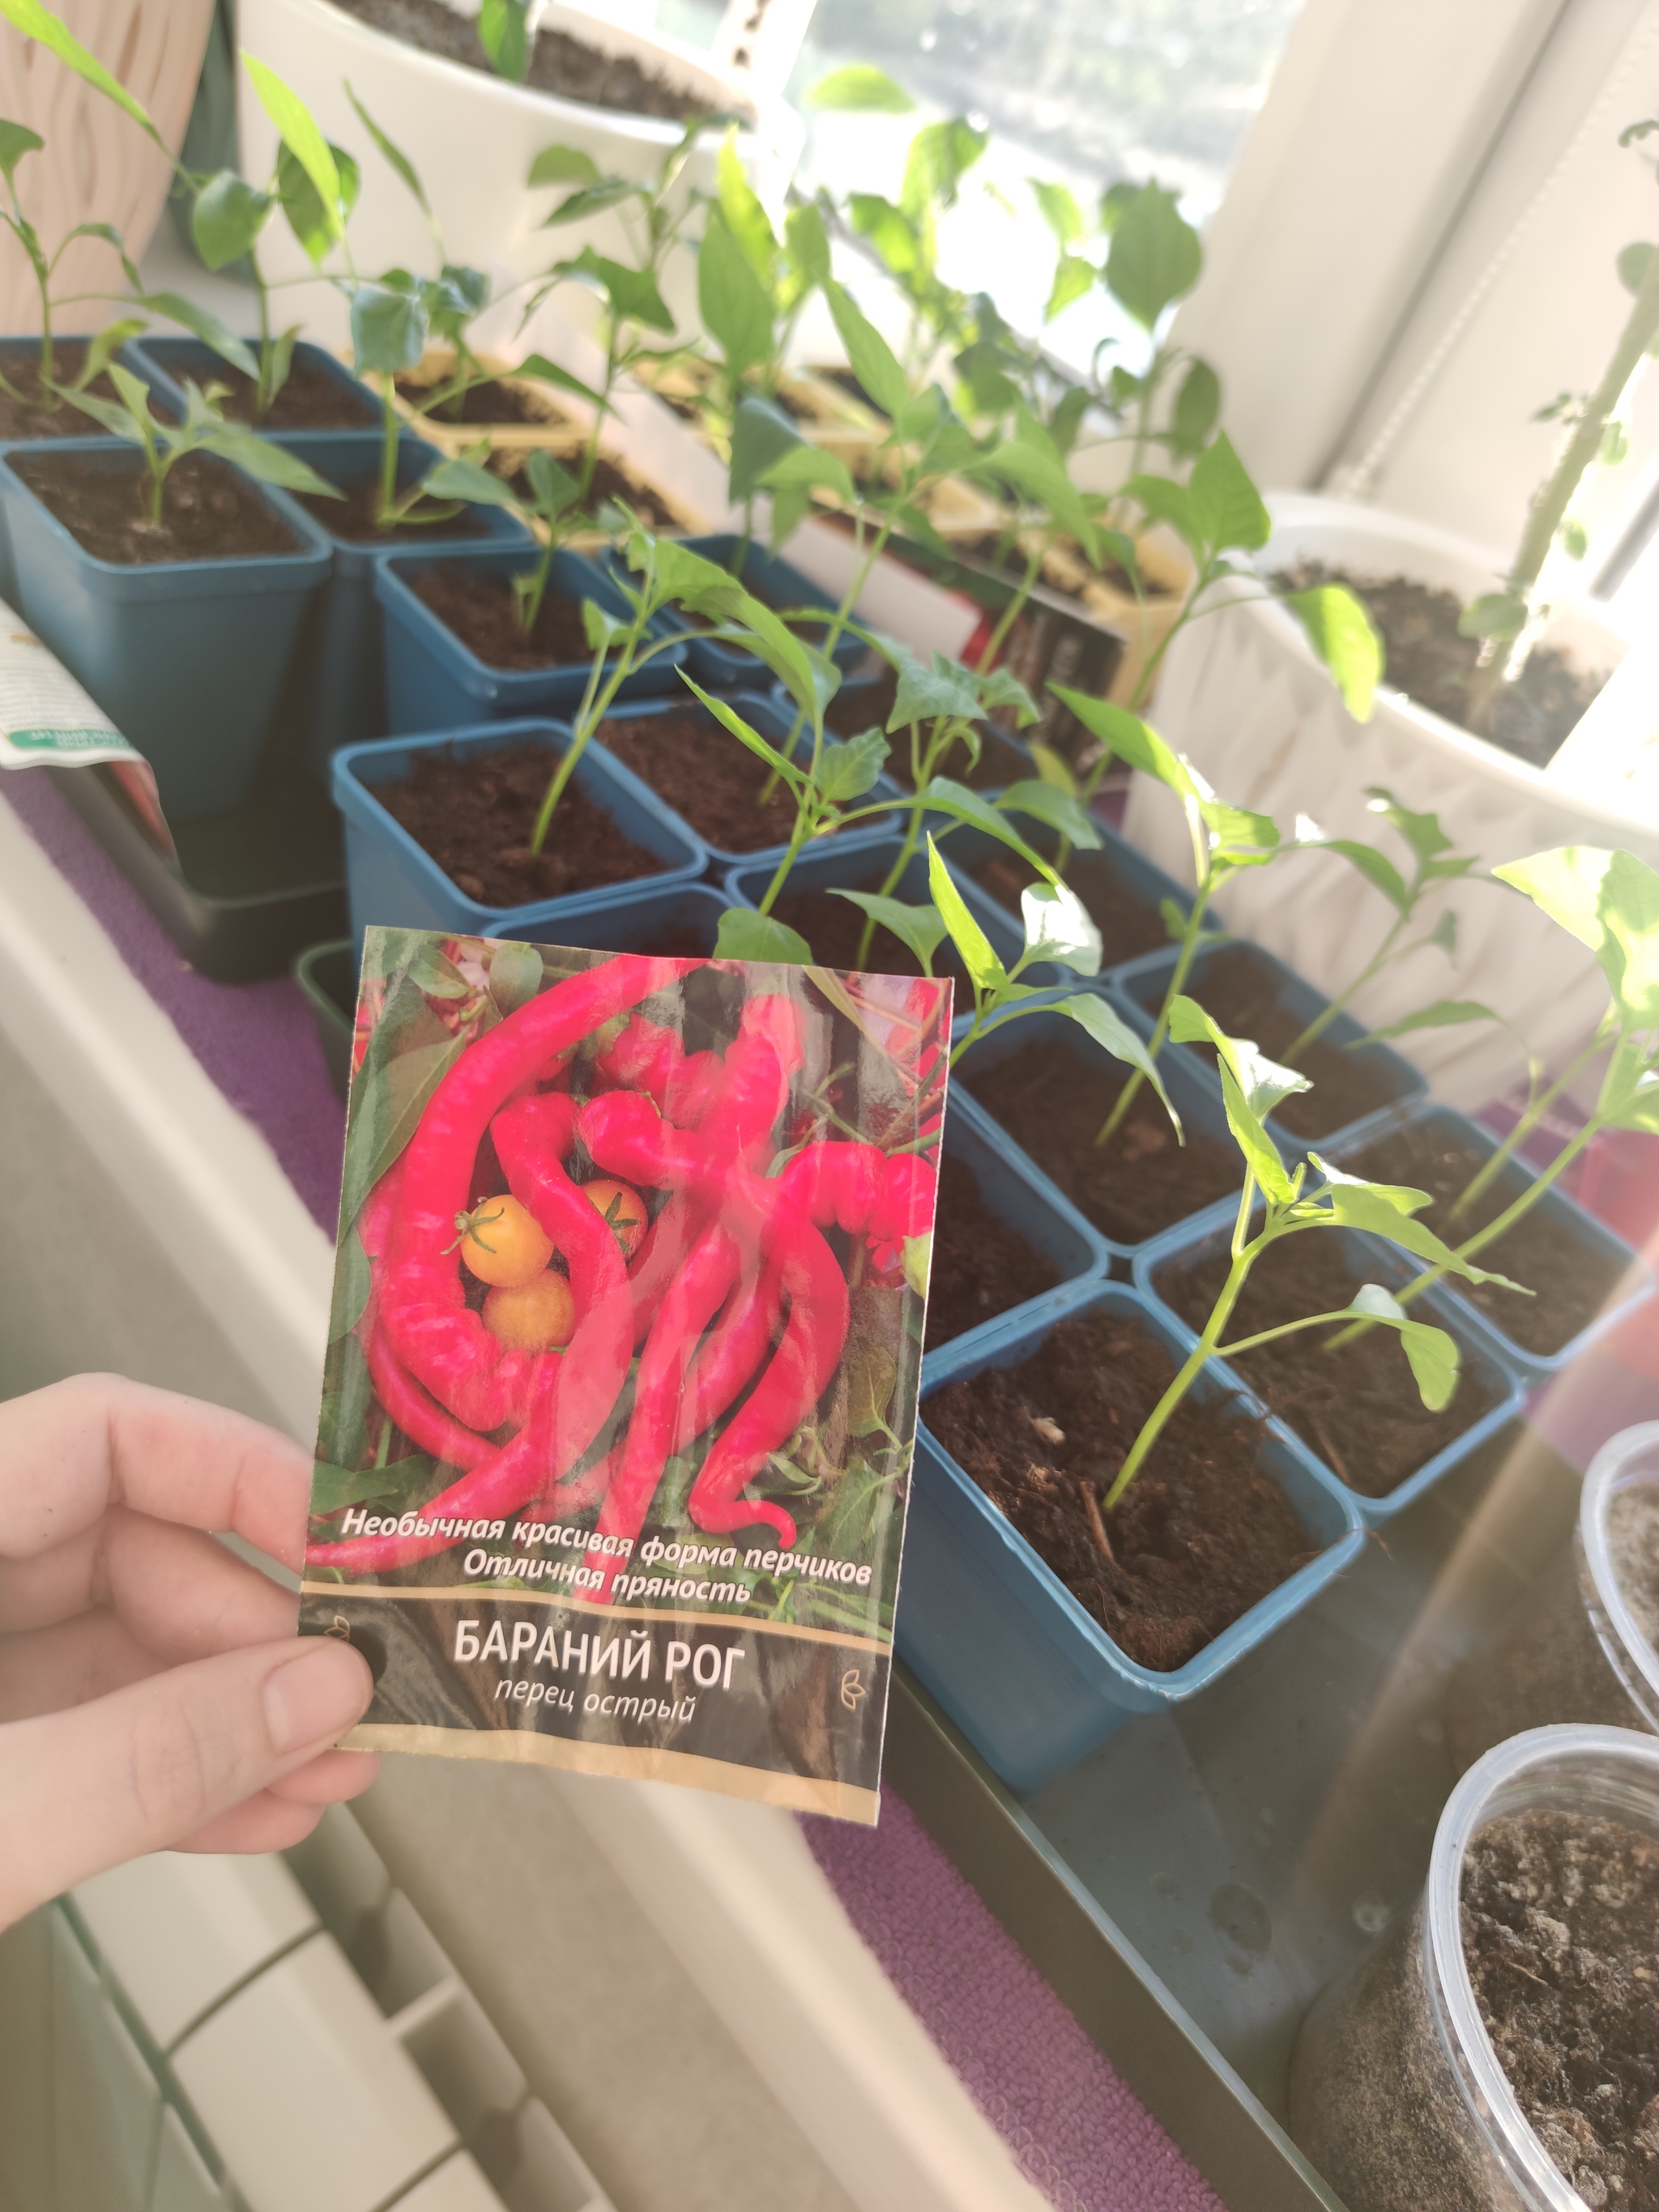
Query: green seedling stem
x=1537, y=1106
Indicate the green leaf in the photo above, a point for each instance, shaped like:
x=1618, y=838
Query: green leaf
x=1252, y=1086
x=1343, y=634
x=1495, y=614
x=313, y=223
x=334, y=1488
x=1638, y=1107
x=632, y=293
x=1197, y=405
x=744, y=218
x=918, y=1261
x=103, y=347
x=299, y=133
x=804, y=465
x=541, y=370
x=271, y=463
x=1237, y=836
x=226, y=217
x=1632, y=263
x=17, y=139
x=1055, y=768
x=600, y=627
x=939, y=156
x=1155, y=256
x=848, y=771
x=504, y=34
x=986, y=971
x=352, y=1284
x=1374, y=866
x=930, y=689
x=1045, y=802
x=1443, y=1014
x=457, y=477
x=1068, y=419
x=860, y=90
x=36, y=21
x=946, y=796
x=746, y=935
x=348, y=1393
x=1059, y=927
x=687, y=579
x=388, y=330
x=563, y=165
x=1074, y=279
x=1434, y=1355
x=1422, y=832
x=1112, y=1034
x=515, y=976
x=1610, y=902
x=808, y=246
x=408, y=1055
x=890, y=231
x=1226, y=504
x=398, y=159
x=591, y=200
x=1131, y=740
x=1160, y=499
x=211, y=332
x=729, y=718
x=1573, y=537
x=1386, y=1210
x=921, y=927
x=1058, y=206
x=872, y=360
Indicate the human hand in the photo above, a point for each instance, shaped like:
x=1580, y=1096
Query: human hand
x=153, y=1692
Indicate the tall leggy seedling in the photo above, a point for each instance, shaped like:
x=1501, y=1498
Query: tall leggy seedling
x=203, y=430
x=17, y=140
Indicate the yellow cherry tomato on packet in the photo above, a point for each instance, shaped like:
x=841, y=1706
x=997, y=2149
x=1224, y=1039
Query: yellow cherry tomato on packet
x=532, y=1316
x=502, y=1243
x=623, y=1210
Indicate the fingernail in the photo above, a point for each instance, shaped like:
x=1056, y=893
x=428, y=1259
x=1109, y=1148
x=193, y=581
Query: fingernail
x=317, y=1696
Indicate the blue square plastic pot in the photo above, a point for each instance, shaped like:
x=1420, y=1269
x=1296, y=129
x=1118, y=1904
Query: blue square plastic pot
x=435, y=682
x=187, y=658
x=1138, y=991
x=338, y=694
x=75, y=425
x=168, y=360
x=856, y=860
x=773, y=723
x=1031, y=1677
x=1115, y=871
x=1196, y=1101
x=1010, y=1189
x=721, y=668
x=1595, y=1237
x=1369, y=1259
x=394, y=881
x=641, y=919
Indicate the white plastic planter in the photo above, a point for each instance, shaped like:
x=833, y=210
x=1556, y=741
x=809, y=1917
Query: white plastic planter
x=473, y=136
x=1242, y=696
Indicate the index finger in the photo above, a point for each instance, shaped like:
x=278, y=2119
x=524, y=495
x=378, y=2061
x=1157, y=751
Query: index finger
x=69, y=1451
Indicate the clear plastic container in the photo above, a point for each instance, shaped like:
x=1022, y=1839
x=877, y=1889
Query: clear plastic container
x=1397, y=2094
x=1572, y=1650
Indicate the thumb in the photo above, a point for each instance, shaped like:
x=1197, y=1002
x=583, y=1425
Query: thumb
x=138, y=1770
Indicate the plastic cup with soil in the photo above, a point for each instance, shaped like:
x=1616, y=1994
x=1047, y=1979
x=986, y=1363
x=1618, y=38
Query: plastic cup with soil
x=320, y=394
x=1038, y=1622
x=711, y=781
x=1049, y=1087
x=1495, y=2049
x=1359, y=1409
x=1251, y=994
x=1581, y=1275
x=1427, y=659
x=1583, y=1644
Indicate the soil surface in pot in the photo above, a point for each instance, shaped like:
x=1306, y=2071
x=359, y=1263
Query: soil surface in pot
x=312, y=398
x=1560, y=1928
x=704, y=774
x=483, y=613
x=1572, y=1280
x=31, y=415
x=1431, y=664
x=494, y=405
x=1052, y=1103
x=833, y=926
x=1128, y=926
x=1201, y=1534
x=354, y=519
x=1633, y=1552
x=982, y=1265
x=1358, y=1409
x=209, y=511
x=476, y=817
x=559, y=64
x=1243, y=995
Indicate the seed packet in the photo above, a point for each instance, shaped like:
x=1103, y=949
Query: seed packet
x=621, y=1393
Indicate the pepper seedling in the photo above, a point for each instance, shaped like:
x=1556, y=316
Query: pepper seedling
x=203, y=430
x=1433, y=862
x=1251, y=1087
x=503, y=27
x=16, y=140
x=1610, y=902
x=554, y=501
x=1224, y=840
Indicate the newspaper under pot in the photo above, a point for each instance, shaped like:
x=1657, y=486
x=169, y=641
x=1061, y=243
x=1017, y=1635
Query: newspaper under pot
x=1397, y=2094
x=1582, y=1644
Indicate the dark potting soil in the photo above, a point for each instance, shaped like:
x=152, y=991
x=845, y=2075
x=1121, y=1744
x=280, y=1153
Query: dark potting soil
x=353, y=519
x=833, y=926
x=209, y=511
x=1201, y=1534
x=559, y=64
x=1560, y=1928
x=484, y=614
x=611, y=485
x=981, y=1265
x=1052, y=1104
x=1243, y=995
x=1572, y=1282
x=705, y=774
x=851, y=713
x=1358, y=1409
x=1427, y=659
x=33, y=415
x=476, y=817
x=1128, y=926
x=312, y=399
x=490, y=404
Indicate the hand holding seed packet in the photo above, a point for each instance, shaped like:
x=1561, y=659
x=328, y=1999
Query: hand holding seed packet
x=621, y=1396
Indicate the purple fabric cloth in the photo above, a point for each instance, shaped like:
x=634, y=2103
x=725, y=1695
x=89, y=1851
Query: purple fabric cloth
x=257, y=1041
x=1079, y=2135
